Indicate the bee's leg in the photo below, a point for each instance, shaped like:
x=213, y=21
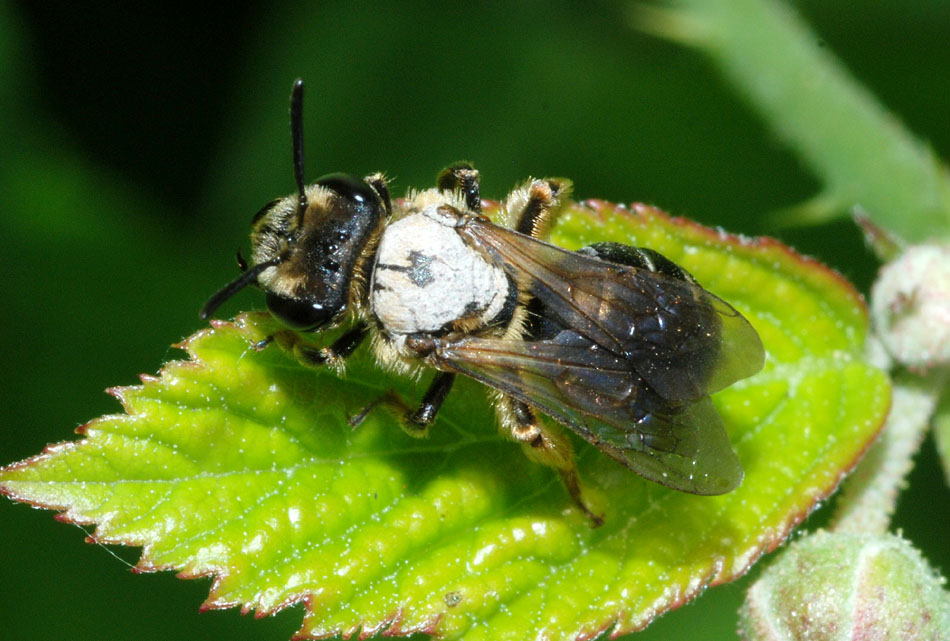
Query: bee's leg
x=378, y=183
x=543, y=445
x=414, y=421
x=432, y=401
x=462, y=177
x=533, y=207
x=332, y=354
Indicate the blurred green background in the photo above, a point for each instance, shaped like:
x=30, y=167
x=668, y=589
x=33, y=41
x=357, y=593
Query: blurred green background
x=136, y=143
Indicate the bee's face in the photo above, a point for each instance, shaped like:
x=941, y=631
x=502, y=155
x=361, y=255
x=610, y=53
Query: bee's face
x=315, y=253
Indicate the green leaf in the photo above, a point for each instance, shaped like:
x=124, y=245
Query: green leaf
x=239, y=463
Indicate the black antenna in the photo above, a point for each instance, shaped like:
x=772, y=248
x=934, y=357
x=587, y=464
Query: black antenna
x=234, y=287
x=296, y=133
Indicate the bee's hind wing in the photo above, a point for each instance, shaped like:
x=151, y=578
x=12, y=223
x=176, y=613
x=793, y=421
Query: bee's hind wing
x=593, y=392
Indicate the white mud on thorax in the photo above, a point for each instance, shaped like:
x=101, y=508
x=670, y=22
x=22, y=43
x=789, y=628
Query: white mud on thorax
x=427, y=277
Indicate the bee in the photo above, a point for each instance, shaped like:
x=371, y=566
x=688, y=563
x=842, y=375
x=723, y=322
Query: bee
x=617, y=343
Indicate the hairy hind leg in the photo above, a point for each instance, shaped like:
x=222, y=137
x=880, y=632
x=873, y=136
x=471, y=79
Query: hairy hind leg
x=533, y=207
x=548, y=447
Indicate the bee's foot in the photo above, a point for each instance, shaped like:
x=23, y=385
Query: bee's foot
x=261, y=344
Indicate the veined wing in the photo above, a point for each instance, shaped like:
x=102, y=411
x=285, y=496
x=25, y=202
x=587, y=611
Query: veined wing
x=682, y=340
x=595, y=393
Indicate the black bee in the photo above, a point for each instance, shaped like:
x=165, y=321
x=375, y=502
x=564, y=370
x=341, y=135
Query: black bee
x=615, y=342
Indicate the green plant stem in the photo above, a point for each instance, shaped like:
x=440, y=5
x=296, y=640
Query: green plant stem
x=862, y=154
x=870, y=494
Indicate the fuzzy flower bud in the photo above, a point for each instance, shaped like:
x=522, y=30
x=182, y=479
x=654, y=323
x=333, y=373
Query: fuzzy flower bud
x=847, y=587
x=910, y=305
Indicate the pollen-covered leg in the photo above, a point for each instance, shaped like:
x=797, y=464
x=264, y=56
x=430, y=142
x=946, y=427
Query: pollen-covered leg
x=533, y=207
x=548, y=447
x=414, y=421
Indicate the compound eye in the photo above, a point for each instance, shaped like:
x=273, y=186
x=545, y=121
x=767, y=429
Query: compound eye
x=349, y=187
x=299, y=315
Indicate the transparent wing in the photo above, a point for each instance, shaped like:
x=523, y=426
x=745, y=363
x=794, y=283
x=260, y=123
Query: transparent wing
x=595, y=393
x=683, y=341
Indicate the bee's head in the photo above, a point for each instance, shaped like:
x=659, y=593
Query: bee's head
x=308, y=248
